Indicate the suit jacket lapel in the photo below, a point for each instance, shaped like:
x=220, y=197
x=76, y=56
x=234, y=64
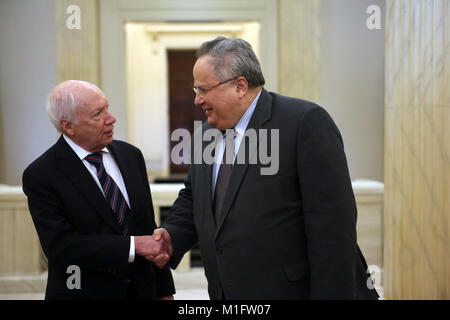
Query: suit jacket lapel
x=69, y=163
x=261, y=115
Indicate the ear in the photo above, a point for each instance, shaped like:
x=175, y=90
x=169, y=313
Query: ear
x=241, y=86
x=66, y=127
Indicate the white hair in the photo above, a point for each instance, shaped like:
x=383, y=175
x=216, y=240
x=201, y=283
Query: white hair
x=63, y=102
x=61, y=107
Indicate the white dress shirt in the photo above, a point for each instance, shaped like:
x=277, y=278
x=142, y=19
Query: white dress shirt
x=240, y=128
x=112, y=169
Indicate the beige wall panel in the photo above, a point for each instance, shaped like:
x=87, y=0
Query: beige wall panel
x=417, y=166
x=369, y=231
x=77, y=50
x=6, y=241
x=20, y=251
x=26, y=244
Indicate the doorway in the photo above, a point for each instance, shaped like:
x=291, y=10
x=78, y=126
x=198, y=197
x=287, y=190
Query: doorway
x=182, y=111
x=159, y=92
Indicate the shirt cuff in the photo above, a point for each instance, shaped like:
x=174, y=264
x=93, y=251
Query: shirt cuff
x=131, y=256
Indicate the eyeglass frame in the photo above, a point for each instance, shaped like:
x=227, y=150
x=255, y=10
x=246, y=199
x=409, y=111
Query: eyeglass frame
x=202, y=92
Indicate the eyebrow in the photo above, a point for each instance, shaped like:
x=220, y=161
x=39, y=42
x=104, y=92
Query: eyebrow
x=99, y=109
x=199, y=87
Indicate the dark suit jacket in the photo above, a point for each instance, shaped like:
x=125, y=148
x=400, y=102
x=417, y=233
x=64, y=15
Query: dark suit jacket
x=76, y=226
x=291, y=235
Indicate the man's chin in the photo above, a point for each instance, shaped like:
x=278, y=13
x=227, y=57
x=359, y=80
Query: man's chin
x=109, y=140
x=213, y=123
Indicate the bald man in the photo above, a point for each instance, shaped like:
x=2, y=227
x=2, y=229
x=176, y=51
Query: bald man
x=90, y=201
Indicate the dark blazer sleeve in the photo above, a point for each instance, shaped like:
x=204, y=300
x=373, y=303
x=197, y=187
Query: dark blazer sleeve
x=61, y=243
x=180, y=222
x=329, y=207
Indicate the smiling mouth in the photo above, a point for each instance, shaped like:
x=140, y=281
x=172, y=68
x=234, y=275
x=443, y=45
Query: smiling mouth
x=207, y=110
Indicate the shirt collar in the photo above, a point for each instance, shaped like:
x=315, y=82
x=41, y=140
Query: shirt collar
x=80, y=152
x=242, y=124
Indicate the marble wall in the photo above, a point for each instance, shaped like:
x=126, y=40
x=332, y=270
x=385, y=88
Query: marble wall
x=417, y=163
x=299, y=49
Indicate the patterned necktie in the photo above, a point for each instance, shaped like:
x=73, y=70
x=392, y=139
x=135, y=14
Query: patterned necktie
x=112, y=192
x=223, y=177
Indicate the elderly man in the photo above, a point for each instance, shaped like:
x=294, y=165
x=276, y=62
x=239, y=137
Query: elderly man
x=288, y=235
x=90, y=201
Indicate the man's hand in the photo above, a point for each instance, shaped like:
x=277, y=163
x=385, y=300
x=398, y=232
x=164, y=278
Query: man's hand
x=151, y=249
x=161, y=235
x=156, y=248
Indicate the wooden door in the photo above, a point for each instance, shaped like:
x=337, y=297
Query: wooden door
x=182, y=111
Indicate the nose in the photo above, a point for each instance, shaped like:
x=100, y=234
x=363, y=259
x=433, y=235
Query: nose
x=110, y=119
x=199, y=100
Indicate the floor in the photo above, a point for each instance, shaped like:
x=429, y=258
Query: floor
x=190, y=285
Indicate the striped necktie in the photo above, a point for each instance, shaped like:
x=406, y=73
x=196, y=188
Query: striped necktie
x=111, y=191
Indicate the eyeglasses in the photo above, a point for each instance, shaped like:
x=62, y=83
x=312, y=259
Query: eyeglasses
x=202, y=91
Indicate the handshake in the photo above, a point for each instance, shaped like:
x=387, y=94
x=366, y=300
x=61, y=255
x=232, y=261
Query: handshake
x=156, y=248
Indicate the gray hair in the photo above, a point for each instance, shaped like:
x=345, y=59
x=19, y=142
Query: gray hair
x=63, y=102
x=233, y=57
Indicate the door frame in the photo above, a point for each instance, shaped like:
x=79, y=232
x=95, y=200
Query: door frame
x=114, y=13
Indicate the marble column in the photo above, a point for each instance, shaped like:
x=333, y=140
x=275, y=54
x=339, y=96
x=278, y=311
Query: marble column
x=77, y=49
x=299, y=49
x=417, y=142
